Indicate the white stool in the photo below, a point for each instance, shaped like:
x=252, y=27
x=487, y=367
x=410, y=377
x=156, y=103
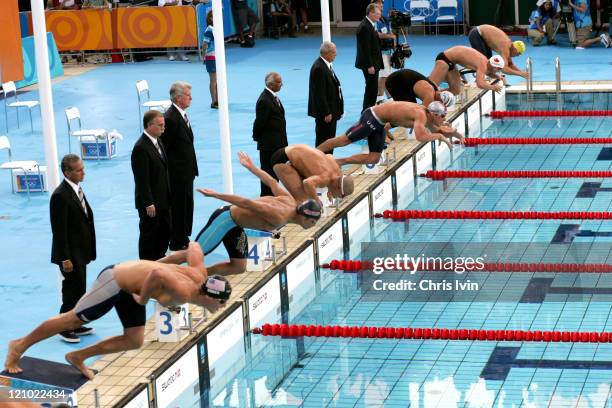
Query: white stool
x=169, y=325
x=260, y=250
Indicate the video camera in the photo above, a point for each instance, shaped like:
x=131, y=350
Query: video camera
x=400, y=19
x=567, y=18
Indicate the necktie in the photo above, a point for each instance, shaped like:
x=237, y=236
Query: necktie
x=82, y=199
x=159, y=149
x=187, y=121
x=278, y=102
x=337, y=81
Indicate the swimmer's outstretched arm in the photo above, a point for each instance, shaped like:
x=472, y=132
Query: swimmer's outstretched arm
x=247, y=163
x=263, y=209
x=423, y=135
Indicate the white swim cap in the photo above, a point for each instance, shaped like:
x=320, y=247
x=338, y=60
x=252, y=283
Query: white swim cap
x=448, y=99
x=497, y=62
x=437, y=108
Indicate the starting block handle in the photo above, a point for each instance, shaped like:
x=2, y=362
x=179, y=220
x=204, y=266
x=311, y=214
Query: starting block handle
x=257, y=233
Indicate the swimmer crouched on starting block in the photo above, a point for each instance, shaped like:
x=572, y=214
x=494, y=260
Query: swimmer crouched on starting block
x=371, y=126
x=127, y=287
x=266, y=213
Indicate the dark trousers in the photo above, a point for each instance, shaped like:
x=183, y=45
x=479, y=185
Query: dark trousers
x=181, y=207
x=73, y=286
x=324, y=131
x=154, y=234
x=371, y=89
x=264, y=160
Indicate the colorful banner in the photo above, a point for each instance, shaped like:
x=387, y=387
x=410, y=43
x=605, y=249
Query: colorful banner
x=29, y=61
x=81, y=29
x=25, y=23
x=155, y=27
x=11, y=68
x=446, y=13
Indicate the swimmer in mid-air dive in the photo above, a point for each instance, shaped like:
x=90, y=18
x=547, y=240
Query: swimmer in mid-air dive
x=266, y=213
x=371, y=125
x=127, y=287
x=302, y=169
x=445, y=68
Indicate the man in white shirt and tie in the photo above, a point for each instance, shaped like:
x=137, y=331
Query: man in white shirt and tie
x=152, y=188
x=325, y=102
x=74, y=237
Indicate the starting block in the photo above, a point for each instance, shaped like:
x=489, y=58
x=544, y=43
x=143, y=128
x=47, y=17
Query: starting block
x=170, y=325
x=328, y=205
x=42, y=381
x=260, y=250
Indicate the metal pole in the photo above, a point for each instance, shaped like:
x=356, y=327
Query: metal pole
x=224, y=128
x=558, y=75
x=325, y=29
x=529, y=75
x=46, y=97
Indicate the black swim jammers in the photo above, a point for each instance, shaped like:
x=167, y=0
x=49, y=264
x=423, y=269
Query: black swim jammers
x=478, y=43
x=370, y=127
x=442, y=57
x=106, y=294
x=279, y=157
x=400, y=84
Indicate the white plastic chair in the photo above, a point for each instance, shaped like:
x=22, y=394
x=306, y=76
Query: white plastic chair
x=420, y=10
x=26, y=166
x=144, y=99
x=9, y=87
x=447, y=15
x=72, y=115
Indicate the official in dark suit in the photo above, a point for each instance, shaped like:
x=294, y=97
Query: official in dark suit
x=325, y=102
x=182, y=163
x=269, y=128
x=152, y=192
x=369, y=57
x=74, y=237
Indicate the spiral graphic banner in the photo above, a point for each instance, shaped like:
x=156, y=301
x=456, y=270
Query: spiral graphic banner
x=30, y=75
x=81, y=29
x=155, y=27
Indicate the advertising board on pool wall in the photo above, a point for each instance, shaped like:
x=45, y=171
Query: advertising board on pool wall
x=330, y=245
x=404, y=182
x=225, y=347
x=141, y=400
x=424, y=159
x=382, y=199
x=358, y=221
x=178, y=386
x=301, y=281
x=264, y=307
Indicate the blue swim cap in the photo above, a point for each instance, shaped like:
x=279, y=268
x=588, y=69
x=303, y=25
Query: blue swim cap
x=310, y=209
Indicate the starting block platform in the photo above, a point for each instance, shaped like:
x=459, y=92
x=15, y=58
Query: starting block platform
x=41, y=382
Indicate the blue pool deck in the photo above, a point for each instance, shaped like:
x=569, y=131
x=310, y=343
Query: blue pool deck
x=106, y=98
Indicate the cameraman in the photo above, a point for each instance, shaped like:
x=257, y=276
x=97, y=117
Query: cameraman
x=582, y=18
x=387, y=46
x=543, y=21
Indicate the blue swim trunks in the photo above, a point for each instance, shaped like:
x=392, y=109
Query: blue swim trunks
x=222, y=228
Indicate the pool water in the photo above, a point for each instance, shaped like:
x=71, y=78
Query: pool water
x=338, y=372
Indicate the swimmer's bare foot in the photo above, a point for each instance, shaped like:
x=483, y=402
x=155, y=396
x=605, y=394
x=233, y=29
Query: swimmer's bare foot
x=15, y=350
x=77, y=362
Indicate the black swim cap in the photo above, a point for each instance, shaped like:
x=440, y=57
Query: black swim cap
x=310, y=209
x=218, y=287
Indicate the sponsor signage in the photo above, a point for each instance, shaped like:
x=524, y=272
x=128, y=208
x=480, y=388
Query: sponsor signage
x=301, y=281
x=141, y=400
x=424, y=159
x=264, y=305
x=358, y=217
x=500, y=100
x=225, y=346
x=382, y=199
x=330, y=242
x=404, y=181
x=179, y=377
x=474, y=119
x=459, y=124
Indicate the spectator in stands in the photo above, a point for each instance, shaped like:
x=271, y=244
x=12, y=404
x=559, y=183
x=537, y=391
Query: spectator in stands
x=208, y=54
x=387, y=46
x=95, y=4
x=69, y=5
x=369, y=59
x=244, y=15
x=584, y=23
x=301, y=6
x=280, y=15
x=543, y=21
x=174, y=53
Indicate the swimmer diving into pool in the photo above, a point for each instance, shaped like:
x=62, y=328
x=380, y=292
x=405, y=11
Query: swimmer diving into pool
x=127, y=287
x=266, y=213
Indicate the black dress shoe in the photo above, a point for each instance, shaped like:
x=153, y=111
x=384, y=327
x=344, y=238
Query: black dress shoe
x=69, y=337
x=83, y=331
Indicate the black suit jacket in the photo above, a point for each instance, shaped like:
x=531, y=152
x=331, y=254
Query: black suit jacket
x=74, y=235
x=368, y=47
x=270, y=127
x=325, y=95
x=150, y=175
x=178, y=142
